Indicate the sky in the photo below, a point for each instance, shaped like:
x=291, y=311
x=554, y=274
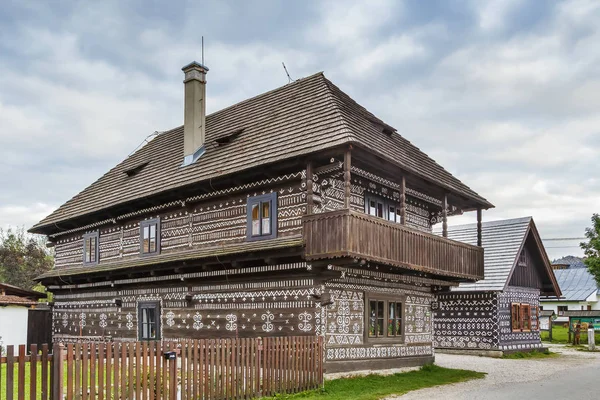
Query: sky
x=503, y=94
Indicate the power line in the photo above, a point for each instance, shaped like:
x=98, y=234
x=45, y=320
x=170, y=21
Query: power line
x=561, y=247
x=569, y=238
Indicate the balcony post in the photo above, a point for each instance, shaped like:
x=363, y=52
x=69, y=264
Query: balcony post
x=347, y=183
x=403, y=201
x=309, y=189
x=445, y=216
x=479, y=227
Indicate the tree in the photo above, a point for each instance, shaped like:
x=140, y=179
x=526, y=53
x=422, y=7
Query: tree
x=22, y=258
x=592, y=248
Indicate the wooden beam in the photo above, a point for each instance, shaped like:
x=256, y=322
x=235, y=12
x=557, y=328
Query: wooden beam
x=403, y=201
x=445, y=216
x=347, y=177
x=309, y=188
x=479, y=227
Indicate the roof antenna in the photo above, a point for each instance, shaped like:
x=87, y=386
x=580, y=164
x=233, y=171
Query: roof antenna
x=286, y=72
x=202, y=50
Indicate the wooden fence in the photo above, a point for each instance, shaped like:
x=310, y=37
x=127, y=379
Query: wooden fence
x=188, y=369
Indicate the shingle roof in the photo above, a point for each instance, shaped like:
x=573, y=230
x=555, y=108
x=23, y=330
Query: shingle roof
x=299, y=118
x=8, y=300
x=576, y=284
x=501, y=241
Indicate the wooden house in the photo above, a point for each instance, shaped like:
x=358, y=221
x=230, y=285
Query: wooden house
x=501, y=311
x=296, y=212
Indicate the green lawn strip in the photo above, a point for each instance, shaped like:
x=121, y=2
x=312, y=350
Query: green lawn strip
x=530, y=354
x=374, y=387
x=560, y=334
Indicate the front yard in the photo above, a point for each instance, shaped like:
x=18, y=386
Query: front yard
x=374, y=387
x=560, y=334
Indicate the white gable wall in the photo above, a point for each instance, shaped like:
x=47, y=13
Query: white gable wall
x=13, y=325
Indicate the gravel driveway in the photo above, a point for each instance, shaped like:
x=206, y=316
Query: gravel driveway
x=503, y=374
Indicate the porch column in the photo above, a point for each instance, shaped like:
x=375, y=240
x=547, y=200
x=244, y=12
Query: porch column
x=309, y=188
x=347, y=183
x=445, y=216
x=403, y=201
x=479, y=227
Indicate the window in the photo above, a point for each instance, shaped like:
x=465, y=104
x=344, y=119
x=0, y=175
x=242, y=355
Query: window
x=149, y=321
x=520, y=316
x=522, y=259
x=384, y=319
x=515, y=314
x=379, y=207
x=262, y=217
x=90, y=248
x=150, y=236
x=562, y=309
x=525, y=317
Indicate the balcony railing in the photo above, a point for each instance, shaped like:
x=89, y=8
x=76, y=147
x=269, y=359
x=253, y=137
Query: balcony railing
x=350, y=234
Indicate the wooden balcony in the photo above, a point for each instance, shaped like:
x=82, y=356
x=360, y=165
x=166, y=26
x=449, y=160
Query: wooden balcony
x=350, y=234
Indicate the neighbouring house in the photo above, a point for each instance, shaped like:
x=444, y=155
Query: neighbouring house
x=296, y=212
x=579, y=289
x=501, y=311
x=15, y=304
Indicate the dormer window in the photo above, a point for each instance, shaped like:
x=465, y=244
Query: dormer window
x=223, y=140
x=136, y=170
x=262, y=217
x=90, y=248
x=150, y=236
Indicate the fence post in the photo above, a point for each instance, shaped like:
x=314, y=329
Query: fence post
x=57, y=367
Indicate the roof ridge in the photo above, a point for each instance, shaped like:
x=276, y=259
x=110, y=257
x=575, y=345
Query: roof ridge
x=496, y=222
x=331, y=95
x=268, y=92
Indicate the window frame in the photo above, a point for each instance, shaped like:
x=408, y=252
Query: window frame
x=145, y=224
x=520, y=317
x=271, y=198
x=386, y=204
x=149, y=305
x=96, y=236
x=386, y=299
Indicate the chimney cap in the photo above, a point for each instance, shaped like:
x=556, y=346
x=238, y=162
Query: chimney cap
x=195, y=64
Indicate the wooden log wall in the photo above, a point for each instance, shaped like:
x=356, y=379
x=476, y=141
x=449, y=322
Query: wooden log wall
x=203, y=224
x=466, y=320
x=510, y=340
x=281, y=303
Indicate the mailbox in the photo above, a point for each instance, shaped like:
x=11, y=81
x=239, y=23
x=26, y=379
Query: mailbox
x=170, y=355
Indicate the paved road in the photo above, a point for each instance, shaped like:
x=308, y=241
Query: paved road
x=573, y=375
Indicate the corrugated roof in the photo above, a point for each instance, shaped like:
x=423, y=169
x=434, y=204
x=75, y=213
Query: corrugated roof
x=576, y=284
x=302, y=117
x=571, y=261
x=502, y=242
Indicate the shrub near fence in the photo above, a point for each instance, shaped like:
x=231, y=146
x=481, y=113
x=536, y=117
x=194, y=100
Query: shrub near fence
x=194, y=369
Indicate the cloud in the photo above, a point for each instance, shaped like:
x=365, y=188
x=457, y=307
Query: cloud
x=503, y=94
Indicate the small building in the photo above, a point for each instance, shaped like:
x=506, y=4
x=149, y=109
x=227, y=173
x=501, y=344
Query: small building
x=499, y=312
x=293, y=213
x=580, y=292
x=15, y=304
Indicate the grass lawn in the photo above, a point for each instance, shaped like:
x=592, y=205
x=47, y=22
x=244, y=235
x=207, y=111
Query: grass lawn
x=16, y=380
x=560, y=334
x=374, y=387
x=530, y=354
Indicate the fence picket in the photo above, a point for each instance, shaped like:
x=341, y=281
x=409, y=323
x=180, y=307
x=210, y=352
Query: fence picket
x=233, y=368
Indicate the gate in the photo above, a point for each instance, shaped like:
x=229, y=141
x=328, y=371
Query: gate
x=39, y=327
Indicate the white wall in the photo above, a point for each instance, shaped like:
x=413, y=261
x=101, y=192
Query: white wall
x=593, y=301
x=13, y=325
